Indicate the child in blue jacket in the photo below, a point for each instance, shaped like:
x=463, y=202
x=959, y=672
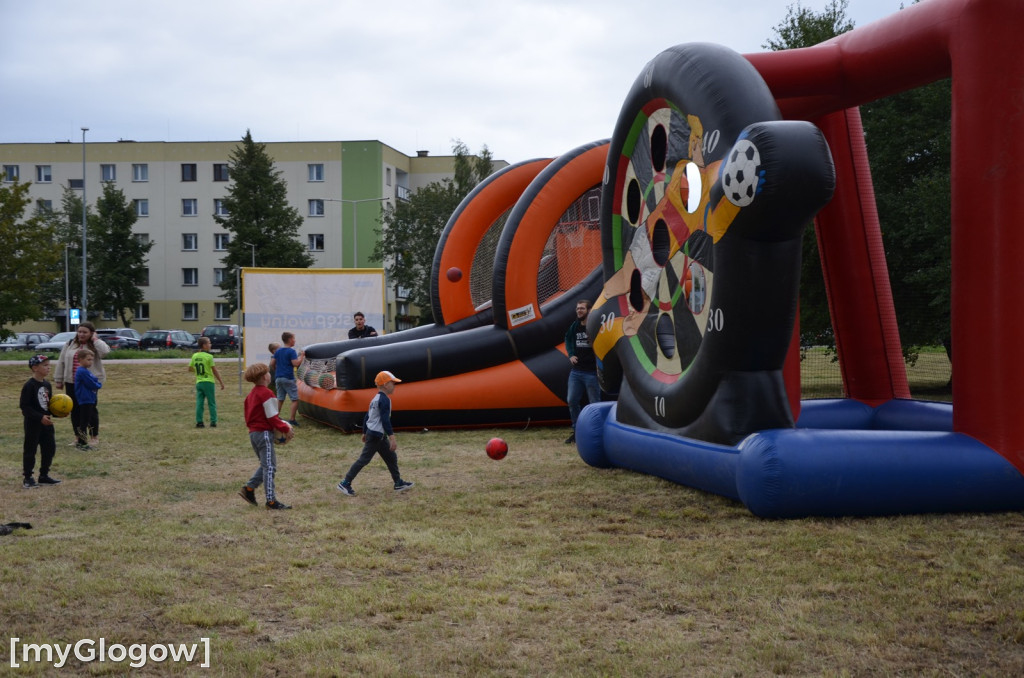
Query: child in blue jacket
x=86, y=386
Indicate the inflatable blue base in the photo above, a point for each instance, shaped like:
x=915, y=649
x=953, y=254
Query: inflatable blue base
x=844, y=458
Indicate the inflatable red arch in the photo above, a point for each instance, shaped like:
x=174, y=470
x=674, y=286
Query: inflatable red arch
x=876, y=452
x=977, y=42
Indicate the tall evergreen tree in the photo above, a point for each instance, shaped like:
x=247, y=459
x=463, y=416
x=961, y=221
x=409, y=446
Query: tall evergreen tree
x=117, y=259
x=66, y=224
x=412, y=229
x=258, y=214
x=69, y=233
x=30, y=260
x=52, y=294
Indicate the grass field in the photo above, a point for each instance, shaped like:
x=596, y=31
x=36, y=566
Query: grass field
x=537, y=565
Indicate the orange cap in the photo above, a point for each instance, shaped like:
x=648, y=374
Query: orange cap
x=384, y=377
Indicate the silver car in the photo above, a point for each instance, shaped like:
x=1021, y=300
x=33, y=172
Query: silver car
x=56, y=343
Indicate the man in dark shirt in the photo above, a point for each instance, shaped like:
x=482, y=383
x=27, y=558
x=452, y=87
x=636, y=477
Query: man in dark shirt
x=583, y=375
x=361, y=330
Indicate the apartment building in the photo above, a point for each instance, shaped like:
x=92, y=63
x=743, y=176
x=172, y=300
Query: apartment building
x=339, y=187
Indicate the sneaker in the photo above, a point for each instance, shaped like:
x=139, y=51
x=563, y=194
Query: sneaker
x=403, y=485
x=47, y=480
x=30, y=483
x=84, y=448
x=277, y=505
x=213, y=424
x=345, y=487
x=571, y=439
x=248, y=494
x=94, y=441
x=293, y=422
x=200, y=425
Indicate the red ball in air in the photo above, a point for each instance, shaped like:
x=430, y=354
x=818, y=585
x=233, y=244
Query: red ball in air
x=454, y=274
x=497, y=448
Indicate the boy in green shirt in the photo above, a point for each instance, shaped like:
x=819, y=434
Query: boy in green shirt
x=202, y=366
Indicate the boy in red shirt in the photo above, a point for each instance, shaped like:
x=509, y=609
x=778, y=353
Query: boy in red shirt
x=262, y=420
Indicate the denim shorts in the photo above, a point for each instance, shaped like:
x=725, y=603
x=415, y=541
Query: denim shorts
x=287, y=387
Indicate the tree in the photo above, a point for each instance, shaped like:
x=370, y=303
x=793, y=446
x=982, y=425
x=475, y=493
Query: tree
x=117, y=259
x=258, y=214
x=30, y=260
x=52, y=294
x=411, y=230
x=804, y=28
x=908, y=139
x=909, y=136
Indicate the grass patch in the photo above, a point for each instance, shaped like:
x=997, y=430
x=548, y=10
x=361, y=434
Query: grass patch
x=534, y=565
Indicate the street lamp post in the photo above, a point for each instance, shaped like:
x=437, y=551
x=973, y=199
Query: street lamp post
x=238, y=306
x=67, y=291
x=253, y=252
x=85, y=267
x=355, y=227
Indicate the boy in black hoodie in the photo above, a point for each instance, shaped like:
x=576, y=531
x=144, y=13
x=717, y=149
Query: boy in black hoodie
x=35, y=408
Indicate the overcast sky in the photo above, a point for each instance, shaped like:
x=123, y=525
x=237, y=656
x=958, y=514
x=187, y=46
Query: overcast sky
x=528, y=78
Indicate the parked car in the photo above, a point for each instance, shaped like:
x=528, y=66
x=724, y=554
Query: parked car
x=154, y=340
x=56, y=342
x=223, y=337
x=25, y=341
x=123, y=337
x=115, y=341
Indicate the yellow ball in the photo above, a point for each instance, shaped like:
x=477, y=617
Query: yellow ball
x=60, y=405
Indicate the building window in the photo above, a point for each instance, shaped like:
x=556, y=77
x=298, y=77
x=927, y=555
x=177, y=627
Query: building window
x=218, y=208
x=141, y=207
x=44, y=205
x=11, y=173
x=75, y=184
x=190, y=277
x=43, y=174
x=220, y=241
x=220, y=171
x=189, y=207
x=316, y=172
x=188, y=171
x=142, y=312
x=316, y=242
x=387, y=175
x=218, y=275
x=221, y=311
x=142, y=238
x=109, y=315
x=108, y=172
x=140, y=172
x=190, y=311
x=189, y=242
x=316, y=208
x=144, y=277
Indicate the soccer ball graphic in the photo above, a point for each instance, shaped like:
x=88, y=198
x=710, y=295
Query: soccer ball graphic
x=740, y=176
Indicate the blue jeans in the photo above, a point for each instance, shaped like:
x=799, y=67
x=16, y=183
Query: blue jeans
x=581, y=382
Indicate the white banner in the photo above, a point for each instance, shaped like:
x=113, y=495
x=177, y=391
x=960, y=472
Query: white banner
x=316, y=305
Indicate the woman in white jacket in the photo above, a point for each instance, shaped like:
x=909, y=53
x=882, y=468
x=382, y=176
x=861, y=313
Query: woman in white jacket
x=64, y=376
